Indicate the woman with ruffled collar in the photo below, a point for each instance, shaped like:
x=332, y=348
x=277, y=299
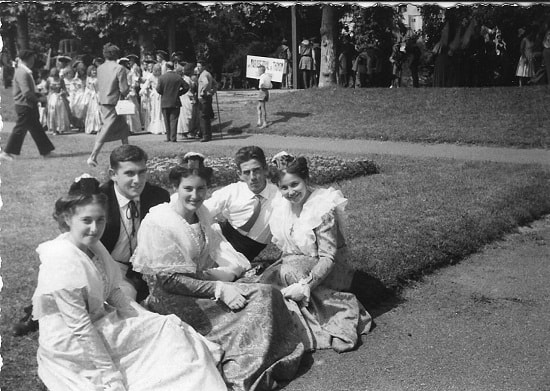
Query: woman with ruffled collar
x=191, y=271
x=93, y=337
x=307, y=227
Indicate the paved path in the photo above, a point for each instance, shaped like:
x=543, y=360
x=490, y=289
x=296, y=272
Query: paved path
x=480, y=325
x=459, y=152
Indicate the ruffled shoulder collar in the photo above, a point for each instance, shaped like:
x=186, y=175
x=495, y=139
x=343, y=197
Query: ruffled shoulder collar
x=319, y=203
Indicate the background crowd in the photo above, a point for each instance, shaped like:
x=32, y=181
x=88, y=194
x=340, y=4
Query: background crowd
x=68, y=92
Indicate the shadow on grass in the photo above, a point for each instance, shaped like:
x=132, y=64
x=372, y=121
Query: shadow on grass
x=286, y=115
x=375, y=296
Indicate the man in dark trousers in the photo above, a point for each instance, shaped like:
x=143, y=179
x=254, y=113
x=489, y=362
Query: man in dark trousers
x=207, y=87
x=130, y=197
x=170, y=87
x=26, y=108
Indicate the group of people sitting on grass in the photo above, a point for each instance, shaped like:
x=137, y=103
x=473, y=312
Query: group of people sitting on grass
x=147, y=291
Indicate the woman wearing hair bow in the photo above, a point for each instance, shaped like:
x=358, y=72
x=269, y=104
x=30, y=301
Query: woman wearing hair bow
x=91, y=336
x=307, y=224
x=190, y=269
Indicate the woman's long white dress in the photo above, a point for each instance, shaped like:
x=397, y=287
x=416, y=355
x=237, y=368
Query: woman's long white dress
x=92, y=337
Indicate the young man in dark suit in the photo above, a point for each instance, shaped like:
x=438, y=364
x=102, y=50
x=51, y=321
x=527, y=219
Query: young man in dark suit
x=26, y=108
x=130, y=198
x=170, y=87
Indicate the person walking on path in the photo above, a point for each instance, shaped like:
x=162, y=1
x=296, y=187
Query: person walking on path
x=170, y=87
x=207, y=89
x=26, y=108
x=264, y=86
x=112, y=85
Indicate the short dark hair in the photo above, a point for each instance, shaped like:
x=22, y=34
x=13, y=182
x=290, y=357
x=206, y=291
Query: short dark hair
x=110, y=51
x=248, y=153
x=297, y=167
x=81, y=193
x=126, y=153
x=25, y=54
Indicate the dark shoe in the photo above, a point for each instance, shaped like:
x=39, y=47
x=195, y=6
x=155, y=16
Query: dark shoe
x=205, y=140
x=26, y=324
x=167, y=141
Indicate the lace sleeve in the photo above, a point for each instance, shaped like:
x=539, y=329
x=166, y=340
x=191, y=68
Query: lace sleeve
x=181, y=284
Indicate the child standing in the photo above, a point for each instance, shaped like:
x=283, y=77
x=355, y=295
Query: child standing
x=263, y=96
x=92, y=124
x=58, y=113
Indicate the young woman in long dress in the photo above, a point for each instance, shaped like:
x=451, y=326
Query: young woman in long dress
x=188, y=112
x=77, y=103
x=144, y=93
x=307, y=226
x=156, y=126
x=92, y=124
x=57, y=111
x=92, y=336
x=134, y=120
x=191, y=271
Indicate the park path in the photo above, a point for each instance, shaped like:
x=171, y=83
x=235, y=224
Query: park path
x=359, y=147
x=482, y=324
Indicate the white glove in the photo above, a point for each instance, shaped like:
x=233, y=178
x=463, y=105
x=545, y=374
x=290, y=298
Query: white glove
x=219, y=274
x=298, y=292
x=231, y=295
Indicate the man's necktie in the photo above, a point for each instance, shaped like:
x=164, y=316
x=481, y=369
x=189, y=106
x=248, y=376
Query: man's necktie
x=257, y=207
x=132, y=213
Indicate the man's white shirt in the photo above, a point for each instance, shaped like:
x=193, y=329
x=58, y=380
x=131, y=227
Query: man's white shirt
x=235, y=203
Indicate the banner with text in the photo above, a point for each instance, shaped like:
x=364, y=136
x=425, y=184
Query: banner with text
x=273, y=66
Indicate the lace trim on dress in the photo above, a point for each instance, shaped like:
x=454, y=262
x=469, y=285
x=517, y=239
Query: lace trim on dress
x=294, y=234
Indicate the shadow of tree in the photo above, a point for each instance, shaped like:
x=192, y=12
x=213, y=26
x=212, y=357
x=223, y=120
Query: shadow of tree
x=286, y=115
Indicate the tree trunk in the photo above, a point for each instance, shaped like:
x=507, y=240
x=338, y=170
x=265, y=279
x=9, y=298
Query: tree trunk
x=22, y=29
x=145, y=43
x=171, y=33
x=327, y=76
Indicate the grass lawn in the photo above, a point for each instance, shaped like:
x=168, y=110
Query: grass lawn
x=504, y=116
x=415, y=215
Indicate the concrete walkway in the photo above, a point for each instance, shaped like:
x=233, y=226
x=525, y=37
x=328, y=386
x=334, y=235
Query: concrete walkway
x=452, y=151
x=480, y=325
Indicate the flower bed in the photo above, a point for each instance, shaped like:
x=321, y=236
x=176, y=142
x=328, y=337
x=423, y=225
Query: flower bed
x=322, y=169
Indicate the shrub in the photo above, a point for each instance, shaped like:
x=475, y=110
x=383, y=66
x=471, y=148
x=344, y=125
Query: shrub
x=323, y=169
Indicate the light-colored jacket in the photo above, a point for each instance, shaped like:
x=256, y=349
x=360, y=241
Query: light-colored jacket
x=112, y=81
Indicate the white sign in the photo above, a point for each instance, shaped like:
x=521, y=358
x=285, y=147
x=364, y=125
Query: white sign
x=273, y=66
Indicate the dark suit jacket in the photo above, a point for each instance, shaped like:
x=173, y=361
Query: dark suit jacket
x=151, y=196
x=169, y=88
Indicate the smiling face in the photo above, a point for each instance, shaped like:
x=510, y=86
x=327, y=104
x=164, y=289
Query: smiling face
x=86, y=225
x=129, y=178
x=254, y=175
x=191, y=194
x=294, y=189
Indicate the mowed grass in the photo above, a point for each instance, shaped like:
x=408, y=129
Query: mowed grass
x=504, y=116
x=417, y=214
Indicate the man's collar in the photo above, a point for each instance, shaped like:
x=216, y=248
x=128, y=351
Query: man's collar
x=121, y=199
